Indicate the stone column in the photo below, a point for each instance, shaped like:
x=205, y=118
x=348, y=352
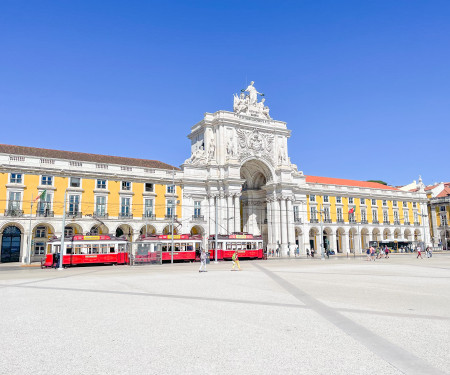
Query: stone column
x=275, y=223
x=284, y=238
x=212, y=213
x=290, y=225
x=237, y=213
x=269, y=225
x=223, y=215
x=230, y=213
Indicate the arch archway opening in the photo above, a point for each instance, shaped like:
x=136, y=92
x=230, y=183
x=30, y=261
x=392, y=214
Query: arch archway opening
x=11, y=244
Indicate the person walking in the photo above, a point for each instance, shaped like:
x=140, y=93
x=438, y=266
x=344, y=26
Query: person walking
x=368, y=254
x=307, y=253
x=372, y=253
x=419, y=252
x=386, y=252
x=312, y=253
x=235, y=259
x=55, y=260
x=202, y=262
x=430, y=251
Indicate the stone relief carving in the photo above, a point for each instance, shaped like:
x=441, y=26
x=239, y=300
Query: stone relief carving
x=211, y=150
x=282, y=155
x=248, y=104
x=198, y=157
x=231, y=151
x=255, y=143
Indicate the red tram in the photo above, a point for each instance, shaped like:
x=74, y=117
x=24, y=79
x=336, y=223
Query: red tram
x=247, y=245
x=186, y=247
x=80, y=249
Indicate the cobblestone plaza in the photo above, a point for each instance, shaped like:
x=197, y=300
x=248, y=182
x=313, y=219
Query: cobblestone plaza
x=304, y=316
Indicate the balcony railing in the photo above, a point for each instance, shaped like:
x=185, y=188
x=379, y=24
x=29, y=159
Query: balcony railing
x=341, y=221
x=313, y=220
x=297, y=220
x=169, y=217
x=45, y=213
x=364, y=222
x=396, y=222
x=198, y=218
x=149, y=216
x=417, y=224
x=387, y=222
x=125, y=215
x=352, y=221
x=100, y=215
x=406, y=223
x=13, y=212
x=73, y=214
x=328, y=221
x=375, y=222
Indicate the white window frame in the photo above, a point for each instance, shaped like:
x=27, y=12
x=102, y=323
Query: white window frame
x=97, y=186
x=129, y=186
x=169, y=188
x=78, y=203
x=130, y=205
x=326, y=199
x=97, y=205
x=350, y=200
x=15, y=178
x=151, y=212
x=48, y=204
x=374, y=202
x=45, y=182
x=197, y=208
x=339, y=200
x=75, y=187
x=339, y=214
x=14, y=206
x=149, y=191
x=374, y=214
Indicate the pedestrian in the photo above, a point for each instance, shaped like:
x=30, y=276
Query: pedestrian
x=386, y=252
x=55, y=260
x=430, y=251
x=202, y=262
x=419, y=252
x=372, y=253
x=235, y=259
x=368, y=254
x=297, y=251
x=328, y=253
x=378, y=252
x=307, y=253
x=277, y=250
x=312, y=253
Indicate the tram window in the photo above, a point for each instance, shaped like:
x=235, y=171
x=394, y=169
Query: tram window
x=183, y=247
x=238, y=246
x=259, y=245
x=85, y=249
x=177, y=247
x=228, y=245
x=189, y=246
x=56, y=249
x=219, y=245
x=234, y=246
x=253, y=245
x=94, y=249
x=197, y=246
x=121, y=248
x=165, y=248
x=104, y=248
x=49, y=249
x=68, y=250
x=249, y=245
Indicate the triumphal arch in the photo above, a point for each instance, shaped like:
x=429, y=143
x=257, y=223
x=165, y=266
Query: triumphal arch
x=240, y=175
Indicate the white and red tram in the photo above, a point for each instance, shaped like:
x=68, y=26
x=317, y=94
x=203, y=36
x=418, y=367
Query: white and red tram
x=186, y=247
x=80, y=249
x=247, y=245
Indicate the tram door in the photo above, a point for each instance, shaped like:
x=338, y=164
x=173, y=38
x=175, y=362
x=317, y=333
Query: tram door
x=11, y=245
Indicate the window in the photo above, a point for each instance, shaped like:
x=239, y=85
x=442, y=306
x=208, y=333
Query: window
x=101, y=184
x=47, y=180
x=325, y=198
x=126, y=185
x=405, y=204
x=312, y=198
x=74, y=204
x=406, y=216
x=416, y=217
x=41, y=232
x=75, y=182
x=363, y=201
x=171, y=189
x=385, y=216
x=384, y=202
x=326, y=213
x=339, y=214
x=394, y=203
x=170, y=207
x=125, y=206
x=16, y=178
x=14, y=200
x=45, y=203
x=414, y=204
x=338, y=199
x=148, y=207
x=296, y=213
x=374, y=202
x=444, y=220
x=396, y=216
x=374, y=215
x=442, y=208
x=363, y=215
x=148, y=187
x=39, y=248
x=68, y=232
x=100, y=206
x=313, y=213
x=350, y=200
x=197, y=208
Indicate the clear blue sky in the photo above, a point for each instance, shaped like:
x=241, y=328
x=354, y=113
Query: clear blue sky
x=364, y=85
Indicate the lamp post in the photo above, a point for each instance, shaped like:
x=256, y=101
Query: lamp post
x=422, y=215
x=29, y=233
x=322, y=256
x=63, y=234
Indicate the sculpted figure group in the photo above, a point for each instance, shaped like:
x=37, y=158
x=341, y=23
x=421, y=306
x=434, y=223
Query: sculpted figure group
x=249, y=105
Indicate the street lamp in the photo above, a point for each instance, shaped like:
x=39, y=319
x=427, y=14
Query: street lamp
x=63, y=234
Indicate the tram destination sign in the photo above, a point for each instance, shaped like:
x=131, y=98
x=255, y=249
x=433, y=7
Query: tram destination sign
x=91, y=238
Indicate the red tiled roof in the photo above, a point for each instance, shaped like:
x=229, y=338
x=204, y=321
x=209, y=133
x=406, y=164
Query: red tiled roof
x=431, y=187
x=341, y=181
x=81, y=156
x=444, y=193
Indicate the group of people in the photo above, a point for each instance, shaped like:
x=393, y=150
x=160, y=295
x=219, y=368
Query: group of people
x=428, y=251
x=204, y=256
x=377, y=253
x=277, y=252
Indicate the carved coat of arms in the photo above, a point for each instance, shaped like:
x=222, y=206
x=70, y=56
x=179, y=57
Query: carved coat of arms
x=255, y=143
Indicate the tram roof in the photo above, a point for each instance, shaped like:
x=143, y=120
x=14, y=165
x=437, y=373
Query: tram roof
x=81, y=156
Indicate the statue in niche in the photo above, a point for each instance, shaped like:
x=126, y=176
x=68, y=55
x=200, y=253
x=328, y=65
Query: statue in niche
x=197, y=156
x=281, y=155
x=211, y=149
x=263, y=109
x=230, y=147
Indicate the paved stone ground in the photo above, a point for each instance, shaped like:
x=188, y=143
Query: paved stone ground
x=338, y=316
